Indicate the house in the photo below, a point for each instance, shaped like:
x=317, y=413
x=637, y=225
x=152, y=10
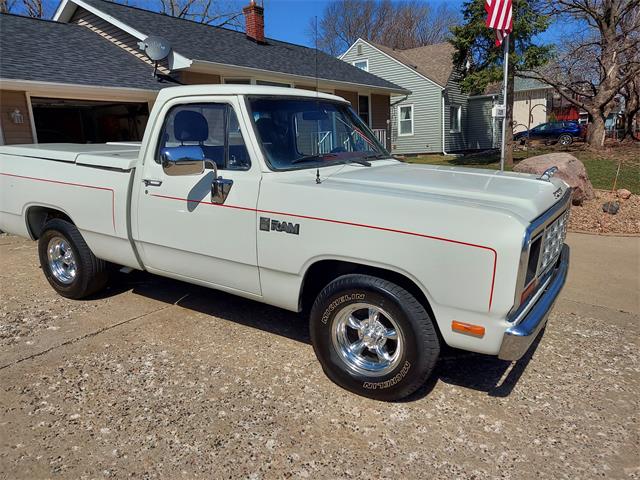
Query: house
x=82, y=77
x=532, y=102
x=436, y=117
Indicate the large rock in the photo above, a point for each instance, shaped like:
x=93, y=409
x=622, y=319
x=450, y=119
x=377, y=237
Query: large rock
x=570, y=169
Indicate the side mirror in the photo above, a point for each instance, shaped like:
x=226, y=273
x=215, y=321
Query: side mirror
x=182, y=160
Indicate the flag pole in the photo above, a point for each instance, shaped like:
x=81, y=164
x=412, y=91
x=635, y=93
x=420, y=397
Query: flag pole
x=503, y=150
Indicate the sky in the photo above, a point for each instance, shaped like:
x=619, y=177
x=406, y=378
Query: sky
x=288, y=20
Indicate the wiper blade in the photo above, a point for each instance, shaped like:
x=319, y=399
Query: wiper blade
x=360, y=161
x=312, y=158
x=374, y=155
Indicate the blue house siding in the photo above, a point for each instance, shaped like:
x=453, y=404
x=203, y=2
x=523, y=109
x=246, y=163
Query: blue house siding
x=426, y=98
x=454, y=97
x=483, y=132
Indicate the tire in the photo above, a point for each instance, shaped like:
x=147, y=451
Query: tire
x=565, y=140
x=67, y=262
x=411, y=357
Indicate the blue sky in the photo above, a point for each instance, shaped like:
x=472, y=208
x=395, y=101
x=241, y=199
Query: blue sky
x=288, y=20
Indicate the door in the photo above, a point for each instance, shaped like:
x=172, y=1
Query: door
x=181, y=229
x=540, y=132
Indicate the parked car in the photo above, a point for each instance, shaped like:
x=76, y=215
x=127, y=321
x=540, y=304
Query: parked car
x=286, y=197
x=564, y=133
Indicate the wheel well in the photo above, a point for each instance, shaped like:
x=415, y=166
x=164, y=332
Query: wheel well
x=37, y=217
x=321, y=273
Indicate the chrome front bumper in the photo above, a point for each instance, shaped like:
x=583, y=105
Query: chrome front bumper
x=518, y=338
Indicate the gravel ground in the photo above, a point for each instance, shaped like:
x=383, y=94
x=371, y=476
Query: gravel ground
x=590, y=218
x=159, y=379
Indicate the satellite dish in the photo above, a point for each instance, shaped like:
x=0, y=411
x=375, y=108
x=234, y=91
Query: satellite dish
x=156, y=48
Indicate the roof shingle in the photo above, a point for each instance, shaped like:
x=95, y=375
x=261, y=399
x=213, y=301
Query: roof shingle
x=48, y=51
x=432, y=61
x=220, y=45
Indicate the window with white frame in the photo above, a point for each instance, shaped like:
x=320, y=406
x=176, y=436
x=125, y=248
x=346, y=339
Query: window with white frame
x=405, y=120
x=455, y=118
x=362, y=64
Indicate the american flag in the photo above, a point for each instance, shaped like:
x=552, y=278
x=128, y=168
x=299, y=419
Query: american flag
x=499, y=17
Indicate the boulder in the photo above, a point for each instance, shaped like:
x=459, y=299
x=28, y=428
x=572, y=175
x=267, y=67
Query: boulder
x=611, y=207
x=570, y=169
x=624, y=193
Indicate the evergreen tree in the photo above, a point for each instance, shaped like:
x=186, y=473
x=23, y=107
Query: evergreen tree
x=475, y=48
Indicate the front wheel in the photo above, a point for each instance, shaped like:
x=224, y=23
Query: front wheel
x=373, y=338
x=67, y=262
x=565, y=140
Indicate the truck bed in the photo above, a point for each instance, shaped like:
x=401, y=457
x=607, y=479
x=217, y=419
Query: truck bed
x=87, y=183
x=119, y=156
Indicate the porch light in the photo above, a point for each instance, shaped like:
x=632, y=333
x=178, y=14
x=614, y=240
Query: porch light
x=17, y=117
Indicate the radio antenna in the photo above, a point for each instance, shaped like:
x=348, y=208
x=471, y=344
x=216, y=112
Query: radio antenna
x=317, y=82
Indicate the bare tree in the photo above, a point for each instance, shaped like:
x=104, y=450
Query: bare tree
x=204, y=11
x=34, y=8
x=631, y=94
x=402, y=25
x=599, y=57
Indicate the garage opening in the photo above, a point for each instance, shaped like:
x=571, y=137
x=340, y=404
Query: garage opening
x=80, y=121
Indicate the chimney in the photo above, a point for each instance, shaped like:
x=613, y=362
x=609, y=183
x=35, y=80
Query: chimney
x=254, y=19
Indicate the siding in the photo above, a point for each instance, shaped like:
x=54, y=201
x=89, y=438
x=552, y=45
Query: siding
x=455, y=141
x=480, y=128
x=380, y=111
x=13, y=133
x=529, y=109
x=351, y=97
x=195, y=78
x=426, y=98
x=116, y=36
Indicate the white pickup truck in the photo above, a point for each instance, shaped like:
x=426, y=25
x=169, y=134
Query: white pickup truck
x=286, y=197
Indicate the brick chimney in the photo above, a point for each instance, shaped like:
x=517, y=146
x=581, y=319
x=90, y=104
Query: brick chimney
x=254, y=19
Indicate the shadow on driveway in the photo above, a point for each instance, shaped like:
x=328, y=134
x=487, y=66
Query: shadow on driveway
x=456, y=367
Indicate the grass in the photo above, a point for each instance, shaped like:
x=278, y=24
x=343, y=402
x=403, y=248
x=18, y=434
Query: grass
x=601, y=165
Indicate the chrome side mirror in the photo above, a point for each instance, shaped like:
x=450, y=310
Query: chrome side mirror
x=182, y=160
x=220, y=187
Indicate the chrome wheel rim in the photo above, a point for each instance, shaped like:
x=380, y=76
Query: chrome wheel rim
x=62, y=261
x=368, y=339
x=564, y=141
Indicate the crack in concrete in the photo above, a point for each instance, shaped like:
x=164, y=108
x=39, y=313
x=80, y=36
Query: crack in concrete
x=83, y=337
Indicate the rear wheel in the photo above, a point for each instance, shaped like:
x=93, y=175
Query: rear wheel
x=68, y=264
x=565, y=140
x=372, y=337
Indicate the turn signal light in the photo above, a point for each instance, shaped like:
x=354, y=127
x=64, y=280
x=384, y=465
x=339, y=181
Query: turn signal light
x=468, y=328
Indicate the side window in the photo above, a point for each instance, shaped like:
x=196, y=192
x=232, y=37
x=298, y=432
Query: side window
x=212, y=128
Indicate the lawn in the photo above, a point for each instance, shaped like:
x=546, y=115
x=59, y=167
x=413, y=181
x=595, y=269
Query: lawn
x=601, y=165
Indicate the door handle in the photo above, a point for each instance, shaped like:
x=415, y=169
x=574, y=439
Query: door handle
x=151, y=183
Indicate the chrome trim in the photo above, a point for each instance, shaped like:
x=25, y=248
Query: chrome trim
x=519, y=337
x=536, y=227
x=548, y=173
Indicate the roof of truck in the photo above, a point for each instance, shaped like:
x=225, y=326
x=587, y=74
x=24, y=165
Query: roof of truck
x=228, y=89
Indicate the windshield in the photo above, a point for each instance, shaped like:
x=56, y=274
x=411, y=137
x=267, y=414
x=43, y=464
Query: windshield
x=310, y=133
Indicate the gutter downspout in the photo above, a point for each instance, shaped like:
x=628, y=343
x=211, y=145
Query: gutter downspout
x=444, y=151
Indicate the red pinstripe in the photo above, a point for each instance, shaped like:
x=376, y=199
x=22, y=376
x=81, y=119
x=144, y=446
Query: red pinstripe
x=353, y=224
x=113, y=196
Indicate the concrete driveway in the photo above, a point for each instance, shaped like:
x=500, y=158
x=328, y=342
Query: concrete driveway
x=160, y=379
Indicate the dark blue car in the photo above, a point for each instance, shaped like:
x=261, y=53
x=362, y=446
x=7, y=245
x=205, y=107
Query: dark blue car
x=565, y=133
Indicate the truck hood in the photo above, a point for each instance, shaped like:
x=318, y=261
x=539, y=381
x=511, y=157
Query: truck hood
x=521, y=194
